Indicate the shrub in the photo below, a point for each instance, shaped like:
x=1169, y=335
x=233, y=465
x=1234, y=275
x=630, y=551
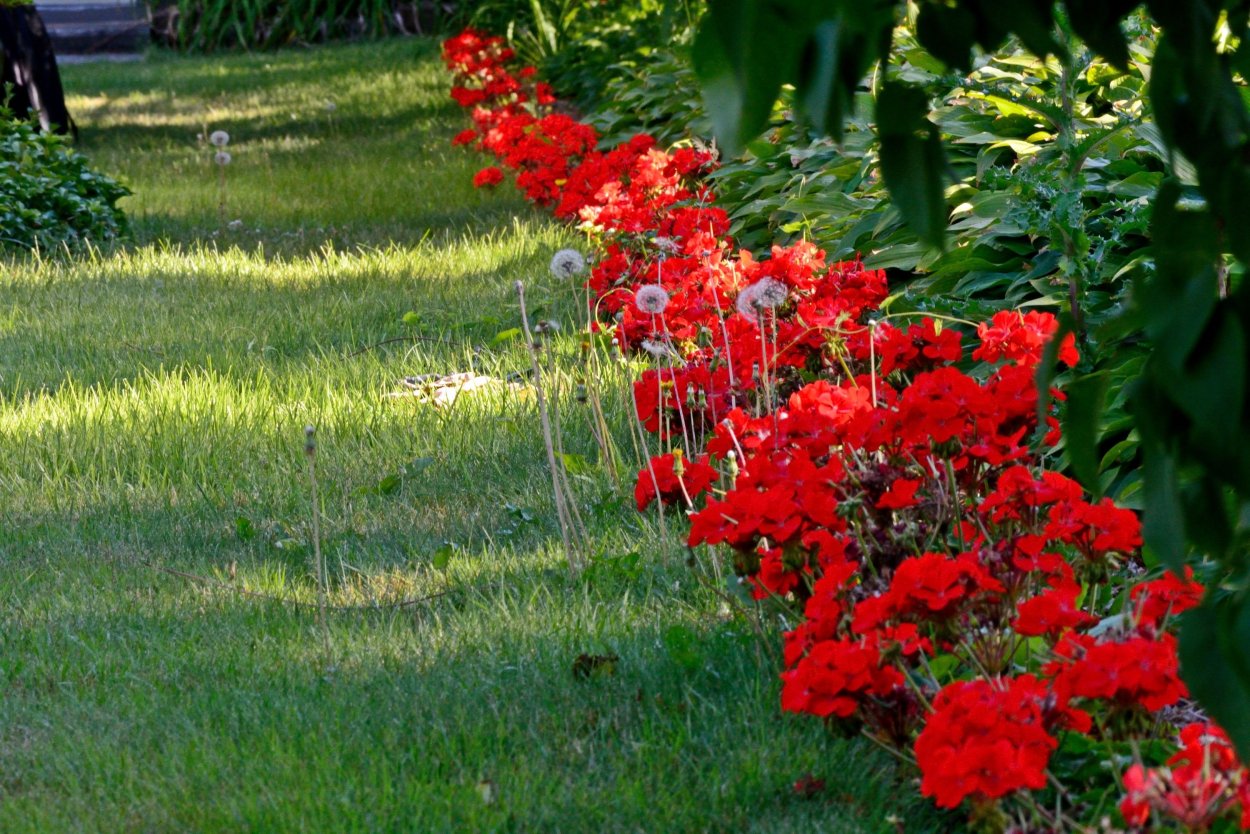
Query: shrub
x=49, y=198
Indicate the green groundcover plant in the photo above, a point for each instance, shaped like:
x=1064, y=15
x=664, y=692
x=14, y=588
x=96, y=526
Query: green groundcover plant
x=49, y=197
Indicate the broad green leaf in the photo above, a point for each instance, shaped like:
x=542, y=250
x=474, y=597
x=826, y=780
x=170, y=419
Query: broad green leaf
x=576, y=464
x=1098, y=24
x=1163, y=520
x=948, y=32
x=1046, y=373
x=741, y=73
x=1215, y=665
x=1082, y=415
x=912, y=162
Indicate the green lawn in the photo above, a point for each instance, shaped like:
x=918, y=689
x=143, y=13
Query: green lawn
x=152, y=401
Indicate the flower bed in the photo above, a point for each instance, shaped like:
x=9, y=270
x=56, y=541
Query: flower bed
x=953, y=598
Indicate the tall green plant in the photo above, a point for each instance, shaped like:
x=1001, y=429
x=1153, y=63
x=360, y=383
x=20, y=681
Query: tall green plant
x=209, y=25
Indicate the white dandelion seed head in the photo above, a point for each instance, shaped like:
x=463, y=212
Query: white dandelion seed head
x=567, y=263
x=219, y=138
x=764, y=294
x=746, y=302
x=234, y=225
x=770, y=293
x=222, y=158
x=657, y=349
x=651, y=298
x=666, y=244
x=331, y=106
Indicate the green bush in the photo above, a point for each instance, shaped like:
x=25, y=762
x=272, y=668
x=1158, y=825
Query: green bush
x=49, y=198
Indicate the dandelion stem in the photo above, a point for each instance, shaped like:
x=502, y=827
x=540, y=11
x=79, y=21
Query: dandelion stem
x=562, y=511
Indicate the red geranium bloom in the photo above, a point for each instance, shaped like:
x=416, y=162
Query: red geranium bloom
x=487, y=177
x=1131, y=671
x=986, y=739
x=901, y=494
x=935, y=586
x=662, y=477
x=1021, y=338
x=1203, y=782
x=1052, y=612
x=1166, y=596
x=835, y=676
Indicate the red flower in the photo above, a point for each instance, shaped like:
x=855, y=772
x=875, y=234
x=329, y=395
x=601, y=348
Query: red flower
x=1052, y=612
x=488, y=177
x=1132, y=671
x=984, y=740
x=674, y=479
x=464, y=137
x=466, y=97
x=1021, y=338
x=901, y=494
x=835, y=676
x=934, y=587
x=1166, y=596
x=1203, y=782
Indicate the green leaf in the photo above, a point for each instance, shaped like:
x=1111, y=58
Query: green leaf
x=1214, y=663
x=1180, y=298
x=506, y=335
x=1163, y=519
x=948, y=32
x=411, y=317
x=576, y=464
x=1098, y=24
x=1081, y=427
x=683, y=647
x=912, y=161
x=822, y=96
x=740, y=72
x=389, y=485
x=1032, y=21
x=1046, y=372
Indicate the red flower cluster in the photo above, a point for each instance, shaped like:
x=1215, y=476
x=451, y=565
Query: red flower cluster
x=956, y=596
x=1203, y=781
x=488, y=177
x=674, y=480
x=988, y=738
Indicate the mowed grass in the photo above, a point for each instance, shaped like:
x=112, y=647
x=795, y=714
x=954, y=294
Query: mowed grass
x=152, y=405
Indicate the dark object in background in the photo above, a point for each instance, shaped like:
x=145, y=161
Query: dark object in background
x=423, y=17
x=30, y=66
